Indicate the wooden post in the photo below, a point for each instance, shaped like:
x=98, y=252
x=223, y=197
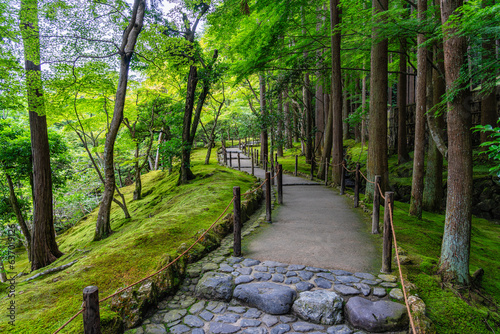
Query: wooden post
x=280, y=184
x=272, y=172
x=356, y=187
x=312, y=169
x=276, y=159
x=225, y=157
x=326, y=173
x=91, y=317
x=239, y=162
x=257, y=153
x=265, y=164
x=268, y=197
x=387, y=248
x=239, y=143
x=237, y=221
x=376, y=206
x=230, y=159
x=251, y=157
x=296, y=164
x=342, y=179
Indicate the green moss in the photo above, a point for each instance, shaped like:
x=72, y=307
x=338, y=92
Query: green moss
x=167, y=217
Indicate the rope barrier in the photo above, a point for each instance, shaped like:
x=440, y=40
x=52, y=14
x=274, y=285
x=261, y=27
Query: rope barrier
x=155, y=273
x=380, y=191
x=366, y=178
x=400, y=272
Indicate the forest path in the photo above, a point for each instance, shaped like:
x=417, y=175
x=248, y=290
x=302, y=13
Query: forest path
x=314, y=226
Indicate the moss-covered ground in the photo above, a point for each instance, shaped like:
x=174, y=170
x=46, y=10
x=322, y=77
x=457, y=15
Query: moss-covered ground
x=166, y=217
x=471, y=310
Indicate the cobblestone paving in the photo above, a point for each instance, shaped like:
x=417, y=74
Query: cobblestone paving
x=184, y=313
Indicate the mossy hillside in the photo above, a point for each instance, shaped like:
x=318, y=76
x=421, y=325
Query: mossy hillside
x=421, y=242
x=165, y=218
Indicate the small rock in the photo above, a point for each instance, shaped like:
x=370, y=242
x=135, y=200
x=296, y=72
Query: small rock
x=207, y=316
x=314, y=269
x=174, y=315
x=234, y=260
x=252, y=313
x=341, y=272
x=250, y=323
x=291, y=274
x=328, y=276
x=193, y=272
x=305, y=275
x=322, y=283
x=268, y=297
x=305, y=326
x=179, y=329
x=250, y=262
x=243, y=279
x=278, y=278
x=193, y=321
x=365, y=288
x=262, y=276
x=348, y=279
x=273, y=264
x=197, y=307
x=229, y=318
x=269, y=320
x=255, y=330
x=339, y=329
x=320, y=306
x=218, y=259
x=280, y=329
x=292, y=280
x=222, y=328
x=155, y=329
x=345, y=290
x=226, y=268
x=286, y=319
x=296, y=267
x=379, y=292
x=304, y=286
x=221, y=308
x=396, y=294
x=137, y=330
x=244, y=271
x=365, y=276
x=378, y=316
x=209, y=267
x=369, y=282
x=260, y=268
x=389, y=285
x=388, y=278
x=215, y=286
x=237, y=309
x=197, y=331
x=280, y=270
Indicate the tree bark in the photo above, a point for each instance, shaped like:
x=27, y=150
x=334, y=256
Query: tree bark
x=403, y=155
x=377, y=145
x=19, y=216
x=103, y=225
x=279, y=133
x=417, y=187
x=337, y=141
x=263, y=112
x=325, y=156
x=433, y=188
x=288, y=121
x=455, y=249
x=3, y=274
x=44, y=249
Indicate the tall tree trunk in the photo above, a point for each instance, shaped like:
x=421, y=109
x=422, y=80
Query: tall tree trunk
x=19, y=215
x=103, y=225
x=417, y=187
x=185, y=171
x=433, y=188
x=337, y=142
x=455, y=250
x=403, y=155
x=157, y=158
x=364, y=119
x=288, y=121
x=44, y=248
x=3, y=274
x=279, y=133
x=308, y=119
x=325, y=156
x=377, y=145
x=263, y=112
x=345, y=108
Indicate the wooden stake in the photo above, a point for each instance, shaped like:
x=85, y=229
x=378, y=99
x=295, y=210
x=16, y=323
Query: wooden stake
x=280, y=184
x=387, y=247
x=376, y=206
x=237, y=221
x=91, y=317
x=268, y=197
x=296, y=164
x=356, y=187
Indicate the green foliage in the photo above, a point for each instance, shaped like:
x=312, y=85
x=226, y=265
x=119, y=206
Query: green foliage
x=493, y=145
